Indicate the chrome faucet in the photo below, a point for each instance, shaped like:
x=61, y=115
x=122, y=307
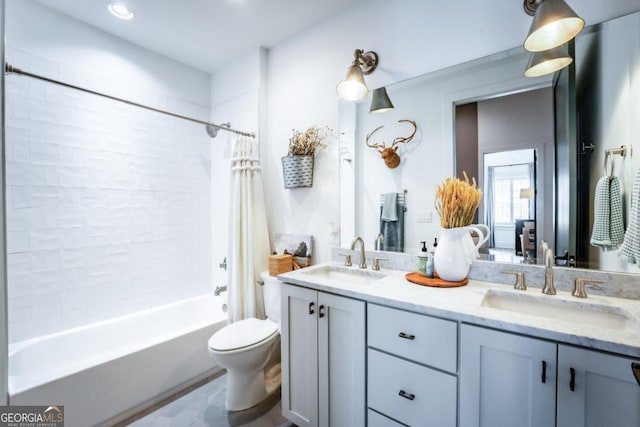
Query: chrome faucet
x=379, y=241
x=219, y=289
x=547, y=255
x=363, y=261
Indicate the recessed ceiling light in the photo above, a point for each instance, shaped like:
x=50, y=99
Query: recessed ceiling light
x=120, y=10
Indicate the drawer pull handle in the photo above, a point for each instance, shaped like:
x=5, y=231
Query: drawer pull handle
x=311, y=308
x=321, y=311
x=406, y=395
x=544, y=372
x=572, y=382
x=407, y=336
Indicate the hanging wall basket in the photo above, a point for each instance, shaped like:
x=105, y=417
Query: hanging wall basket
x=297, y=171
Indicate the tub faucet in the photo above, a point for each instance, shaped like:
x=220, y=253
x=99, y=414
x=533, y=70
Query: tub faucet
x=547, y=255
x=219, y=289
x=379, y=241
x=363, y=261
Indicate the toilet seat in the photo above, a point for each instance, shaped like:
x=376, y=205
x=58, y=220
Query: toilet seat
x=243, y=334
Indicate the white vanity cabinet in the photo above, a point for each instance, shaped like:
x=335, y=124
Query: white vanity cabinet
x=412, y=366
x=501, y=383
x=506, y=379
x=596, y=389
x=323, y=358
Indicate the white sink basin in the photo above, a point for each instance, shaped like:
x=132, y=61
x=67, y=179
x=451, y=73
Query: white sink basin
x=345, y=274
x=558, y=308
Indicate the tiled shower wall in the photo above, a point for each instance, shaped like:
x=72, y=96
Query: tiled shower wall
x=108, y=206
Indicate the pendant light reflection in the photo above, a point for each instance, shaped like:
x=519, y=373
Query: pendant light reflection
x=380, y=101
x=548, y=61
x=554, y=24
x=353, y=86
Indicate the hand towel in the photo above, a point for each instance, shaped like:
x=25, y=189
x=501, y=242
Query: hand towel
x=630, y=250
x=608, y=226
x=390, y=207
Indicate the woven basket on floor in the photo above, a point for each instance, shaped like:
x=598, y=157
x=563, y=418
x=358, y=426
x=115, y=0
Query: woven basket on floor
x=297, y=171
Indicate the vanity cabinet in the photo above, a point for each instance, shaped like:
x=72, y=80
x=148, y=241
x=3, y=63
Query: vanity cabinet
x=323, y=358
x=412, y=364
x=596, y=389
x=508, y=379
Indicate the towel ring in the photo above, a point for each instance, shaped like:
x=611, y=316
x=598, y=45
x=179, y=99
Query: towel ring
x=606, y=157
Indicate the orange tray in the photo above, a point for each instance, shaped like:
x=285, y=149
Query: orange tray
x=436, y=282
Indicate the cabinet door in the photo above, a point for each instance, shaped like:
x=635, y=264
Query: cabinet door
x=341, y=361
x=601, y=392
x=506, y=379
x=299, y=355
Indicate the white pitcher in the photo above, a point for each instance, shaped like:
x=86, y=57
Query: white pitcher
x=452, y=258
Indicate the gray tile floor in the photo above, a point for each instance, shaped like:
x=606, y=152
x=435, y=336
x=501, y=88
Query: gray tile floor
x=204, y=407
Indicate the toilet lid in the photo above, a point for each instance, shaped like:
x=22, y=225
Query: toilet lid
x=241, y=334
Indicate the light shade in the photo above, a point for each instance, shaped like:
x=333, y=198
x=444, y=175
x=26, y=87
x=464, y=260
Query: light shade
x=353, y=87
x=120, y=10
x=527, y=193
x=380, y=101
x=548, y=61
x=554, y=23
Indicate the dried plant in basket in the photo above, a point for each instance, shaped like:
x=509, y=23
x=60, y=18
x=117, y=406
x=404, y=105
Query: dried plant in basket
x=457, y=201
x=309, y=142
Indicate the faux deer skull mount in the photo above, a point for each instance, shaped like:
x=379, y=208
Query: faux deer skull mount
x=389, y=154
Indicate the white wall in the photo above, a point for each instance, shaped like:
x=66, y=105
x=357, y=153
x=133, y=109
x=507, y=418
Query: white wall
x=108, y=205
x=412, y=37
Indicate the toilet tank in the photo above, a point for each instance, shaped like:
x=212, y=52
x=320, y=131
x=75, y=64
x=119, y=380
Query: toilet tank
x=271, y=294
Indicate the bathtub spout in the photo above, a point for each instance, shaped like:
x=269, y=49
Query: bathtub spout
x=219, y=290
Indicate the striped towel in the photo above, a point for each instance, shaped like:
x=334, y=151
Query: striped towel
x=630, y=250
x=608, y=226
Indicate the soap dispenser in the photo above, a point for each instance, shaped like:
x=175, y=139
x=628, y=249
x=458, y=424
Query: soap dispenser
x=423, y=258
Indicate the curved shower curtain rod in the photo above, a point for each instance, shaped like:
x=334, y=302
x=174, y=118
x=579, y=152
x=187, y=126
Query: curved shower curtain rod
x=212, y=128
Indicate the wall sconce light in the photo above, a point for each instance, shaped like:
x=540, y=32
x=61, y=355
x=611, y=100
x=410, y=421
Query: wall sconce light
x=548, y=61
x=380, y=101
x=353, y=87
x=554, y=23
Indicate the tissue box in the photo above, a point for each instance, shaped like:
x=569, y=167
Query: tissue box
x=280, y=264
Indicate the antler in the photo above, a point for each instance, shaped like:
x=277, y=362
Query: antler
x=378, y=147
x=404, y=139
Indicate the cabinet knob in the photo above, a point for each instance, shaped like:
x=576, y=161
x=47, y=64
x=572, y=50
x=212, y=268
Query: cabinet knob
x=407, y=336
x=406, y=395
x=311, y=311
x=544, y=372
x=321, y=311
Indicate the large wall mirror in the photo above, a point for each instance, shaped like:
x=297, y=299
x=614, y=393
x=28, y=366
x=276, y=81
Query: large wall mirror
x=536, y=147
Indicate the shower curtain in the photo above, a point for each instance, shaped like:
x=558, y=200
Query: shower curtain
x=249, y=238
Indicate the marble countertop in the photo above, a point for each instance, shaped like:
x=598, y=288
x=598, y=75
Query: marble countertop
x=465, y=304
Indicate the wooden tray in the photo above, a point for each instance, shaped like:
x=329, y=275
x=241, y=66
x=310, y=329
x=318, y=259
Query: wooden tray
x=436, y=282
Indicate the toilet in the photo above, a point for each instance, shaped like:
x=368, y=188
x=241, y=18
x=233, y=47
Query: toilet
x=245, y=348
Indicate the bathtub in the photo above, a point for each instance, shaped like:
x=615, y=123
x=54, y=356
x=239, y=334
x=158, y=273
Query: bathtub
x=106, y=371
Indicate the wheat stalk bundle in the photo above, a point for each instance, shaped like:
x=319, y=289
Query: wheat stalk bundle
x=457, y=201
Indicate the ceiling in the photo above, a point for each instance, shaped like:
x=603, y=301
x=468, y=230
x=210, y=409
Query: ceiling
x=205, y=34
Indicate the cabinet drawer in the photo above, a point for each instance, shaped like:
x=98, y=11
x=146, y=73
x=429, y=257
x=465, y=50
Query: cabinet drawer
x=421, y=338
x=374, y=419
x=430, y=396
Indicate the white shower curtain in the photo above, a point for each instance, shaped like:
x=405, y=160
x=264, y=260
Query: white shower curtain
x=249, y=238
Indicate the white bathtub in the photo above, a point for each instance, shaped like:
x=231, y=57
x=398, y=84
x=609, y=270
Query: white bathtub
x=106, y=371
